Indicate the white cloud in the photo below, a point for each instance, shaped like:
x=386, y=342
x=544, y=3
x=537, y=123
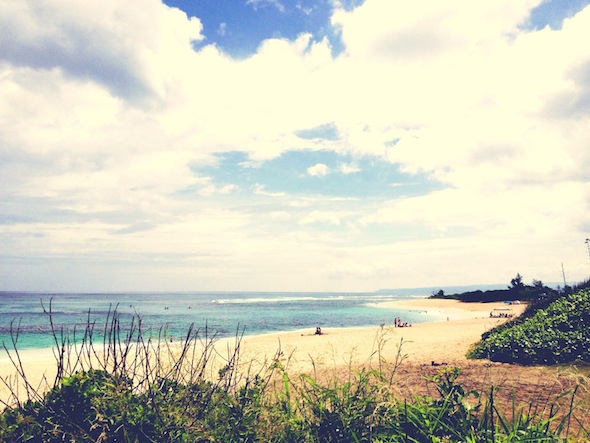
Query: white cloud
x=281, y=215
x=318, y=170
x=227, y=189
x=130, y=53
x=427, y=28
x=349, y=168
x=107, y=112
x=307, y=10
x=260, y=189
x=323, y=217
x=256, y=4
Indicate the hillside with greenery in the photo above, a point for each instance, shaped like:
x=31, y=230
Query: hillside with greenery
x=556, y=333
x=517, y=290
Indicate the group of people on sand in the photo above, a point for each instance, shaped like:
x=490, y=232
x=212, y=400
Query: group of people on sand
x=501, y=314
x=398, y=323
x=318, y=331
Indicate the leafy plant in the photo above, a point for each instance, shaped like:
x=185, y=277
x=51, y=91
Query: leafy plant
x=559, y=333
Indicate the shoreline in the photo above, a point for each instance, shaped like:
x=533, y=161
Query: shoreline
x=456, y=308
x=443, y=342
x=412, y=305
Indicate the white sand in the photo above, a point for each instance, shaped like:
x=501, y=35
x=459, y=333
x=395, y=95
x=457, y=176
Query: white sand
x=445, y=341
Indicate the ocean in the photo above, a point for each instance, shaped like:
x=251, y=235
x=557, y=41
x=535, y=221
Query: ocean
x=222, y=313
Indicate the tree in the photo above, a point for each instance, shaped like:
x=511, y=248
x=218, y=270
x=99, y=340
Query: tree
x=516, y=283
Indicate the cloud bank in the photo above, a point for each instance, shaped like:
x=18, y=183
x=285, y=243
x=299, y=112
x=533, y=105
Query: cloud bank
x=112, y=127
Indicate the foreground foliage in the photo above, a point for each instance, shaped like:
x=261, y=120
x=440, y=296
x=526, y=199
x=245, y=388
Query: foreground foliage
x=558, y=333
x=142, y=390
x=96, y=407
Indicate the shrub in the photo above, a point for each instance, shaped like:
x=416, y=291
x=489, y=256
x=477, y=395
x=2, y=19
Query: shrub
x=557, y=334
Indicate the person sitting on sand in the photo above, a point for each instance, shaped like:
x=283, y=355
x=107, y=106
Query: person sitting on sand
x=318, y=331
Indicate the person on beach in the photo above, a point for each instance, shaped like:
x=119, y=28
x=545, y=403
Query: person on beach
x=318, y=331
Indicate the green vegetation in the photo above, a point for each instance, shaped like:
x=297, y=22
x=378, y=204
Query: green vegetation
x=94, y=406
x=128, y=387
x=517, y=290
x=557, y=333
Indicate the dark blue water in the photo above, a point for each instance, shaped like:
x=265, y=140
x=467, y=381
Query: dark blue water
x=221, y=313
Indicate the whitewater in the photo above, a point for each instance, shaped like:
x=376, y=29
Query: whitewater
x=25, y=315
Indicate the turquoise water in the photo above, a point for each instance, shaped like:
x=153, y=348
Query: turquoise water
x=222, y=313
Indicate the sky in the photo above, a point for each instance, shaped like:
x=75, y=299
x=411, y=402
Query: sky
x=302, y=145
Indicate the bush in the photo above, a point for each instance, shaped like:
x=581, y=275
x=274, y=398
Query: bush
x=557, y=334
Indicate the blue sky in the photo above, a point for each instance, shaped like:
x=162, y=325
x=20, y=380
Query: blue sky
x=239, y=26
x=306, y=145
x=319, y=173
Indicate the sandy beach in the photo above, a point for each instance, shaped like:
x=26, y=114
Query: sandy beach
x=302, y=351
x=442, y=342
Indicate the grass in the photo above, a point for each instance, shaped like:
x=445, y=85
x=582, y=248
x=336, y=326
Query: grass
x=119, y=383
